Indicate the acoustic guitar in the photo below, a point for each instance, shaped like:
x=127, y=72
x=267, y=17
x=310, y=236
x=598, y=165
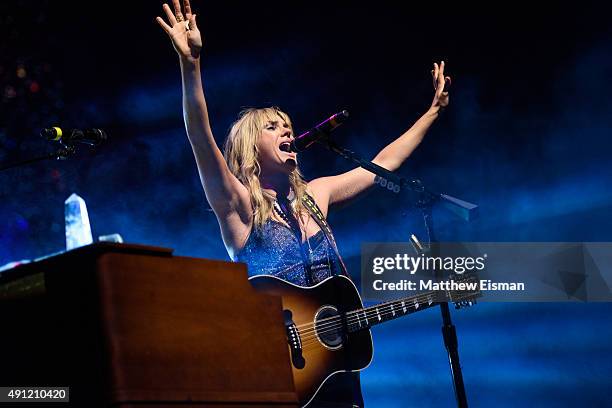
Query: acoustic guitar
x=328, y=329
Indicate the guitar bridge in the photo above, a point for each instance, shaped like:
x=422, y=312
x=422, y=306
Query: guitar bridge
x=294, y=340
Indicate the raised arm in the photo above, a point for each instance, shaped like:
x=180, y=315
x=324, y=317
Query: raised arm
x=346, y=186
x=226, y=195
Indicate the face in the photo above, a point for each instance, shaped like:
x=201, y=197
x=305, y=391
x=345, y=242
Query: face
x=273, y=147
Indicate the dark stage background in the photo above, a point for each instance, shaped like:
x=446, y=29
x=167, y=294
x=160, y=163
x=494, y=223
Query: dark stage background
x=527, y=137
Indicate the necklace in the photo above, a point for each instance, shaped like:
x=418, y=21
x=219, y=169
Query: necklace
x=279, y=211
x=296, y=227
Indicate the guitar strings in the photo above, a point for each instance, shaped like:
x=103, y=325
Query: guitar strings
x=336, y=323
x=313, y=338
x=368, y=313
x=333, y=323
x=416, y=298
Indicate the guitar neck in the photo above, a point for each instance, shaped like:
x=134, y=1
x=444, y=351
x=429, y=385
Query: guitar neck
x=370, y=316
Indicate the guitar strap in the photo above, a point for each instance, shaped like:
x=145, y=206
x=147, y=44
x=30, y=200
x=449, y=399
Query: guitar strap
x=316, y=213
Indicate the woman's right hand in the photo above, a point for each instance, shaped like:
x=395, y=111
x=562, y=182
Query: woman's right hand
x=183, y=30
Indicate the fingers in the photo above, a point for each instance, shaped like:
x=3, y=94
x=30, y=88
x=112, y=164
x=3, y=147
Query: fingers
x=434, y=72
x=440, y=77
x=441, y=83
x=447, y=83
x=192, y=22
x=187, y=7
x=163, y=25
x=169, y=14
x=177, y=10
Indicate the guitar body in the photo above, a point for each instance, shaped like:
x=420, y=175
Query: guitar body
x=318, y=341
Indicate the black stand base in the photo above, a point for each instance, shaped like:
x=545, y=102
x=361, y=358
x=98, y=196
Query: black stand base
x=450, y=342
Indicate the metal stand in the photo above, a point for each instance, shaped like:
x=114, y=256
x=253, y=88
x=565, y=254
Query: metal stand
x=449, y=334
x=426, y=201
x=60, y=154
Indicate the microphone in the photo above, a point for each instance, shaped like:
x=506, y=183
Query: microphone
x=307, y=138
x=92, y=137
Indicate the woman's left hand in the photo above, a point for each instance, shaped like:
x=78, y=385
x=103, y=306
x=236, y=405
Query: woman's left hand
x=441, y=84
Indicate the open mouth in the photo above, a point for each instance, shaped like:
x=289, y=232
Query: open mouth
x=285, y=147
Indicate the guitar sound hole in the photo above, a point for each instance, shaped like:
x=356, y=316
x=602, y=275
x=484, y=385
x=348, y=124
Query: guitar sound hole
x=328, y=327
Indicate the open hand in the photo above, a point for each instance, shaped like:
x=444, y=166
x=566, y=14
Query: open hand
x=183, y=30
x=441, y=84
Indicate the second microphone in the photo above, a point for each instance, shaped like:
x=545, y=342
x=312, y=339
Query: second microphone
x=91, y=137
x=307, y=138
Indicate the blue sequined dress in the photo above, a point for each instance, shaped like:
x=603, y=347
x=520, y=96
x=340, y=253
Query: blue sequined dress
x=276, y=250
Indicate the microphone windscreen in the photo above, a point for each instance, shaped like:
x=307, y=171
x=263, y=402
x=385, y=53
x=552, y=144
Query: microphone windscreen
x=54, y=133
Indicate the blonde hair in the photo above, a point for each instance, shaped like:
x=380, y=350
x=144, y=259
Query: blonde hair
x=241, y=155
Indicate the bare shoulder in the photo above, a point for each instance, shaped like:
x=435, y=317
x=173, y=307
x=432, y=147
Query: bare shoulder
x=320, y=191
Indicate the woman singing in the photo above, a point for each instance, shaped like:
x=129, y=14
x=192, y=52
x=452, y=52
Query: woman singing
x=270, y=217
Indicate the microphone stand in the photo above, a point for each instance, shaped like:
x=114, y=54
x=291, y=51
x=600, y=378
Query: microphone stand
x=427, y=199
x=426, y=202
x=61, y=153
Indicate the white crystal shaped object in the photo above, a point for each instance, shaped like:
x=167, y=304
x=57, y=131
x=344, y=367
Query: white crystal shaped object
x=78, y=230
